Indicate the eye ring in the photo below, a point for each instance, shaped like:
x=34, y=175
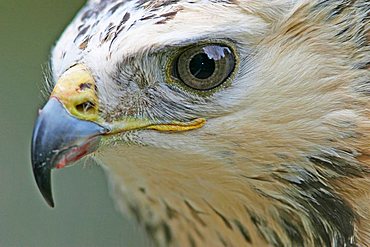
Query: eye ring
x=204, y=67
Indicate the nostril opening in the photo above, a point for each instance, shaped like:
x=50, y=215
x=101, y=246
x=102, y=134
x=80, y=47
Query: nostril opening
x=84, y=86
x=86, y=108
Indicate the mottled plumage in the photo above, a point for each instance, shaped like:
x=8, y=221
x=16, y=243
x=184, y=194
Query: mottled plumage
x=284, y=156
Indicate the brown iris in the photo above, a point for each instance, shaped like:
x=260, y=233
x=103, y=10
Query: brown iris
x=204, y=67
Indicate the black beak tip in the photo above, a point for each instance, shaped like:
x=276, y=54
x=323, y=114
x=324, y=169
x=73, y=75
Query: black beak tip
x=42, y=177
x=41, y=160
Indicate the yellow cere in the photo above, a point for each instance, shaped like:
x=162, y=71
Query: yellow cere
x=76, y=89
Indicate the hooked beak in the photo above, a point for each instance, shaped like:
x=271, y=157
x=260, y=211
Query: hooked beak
x=66, y=128
x=58, y=140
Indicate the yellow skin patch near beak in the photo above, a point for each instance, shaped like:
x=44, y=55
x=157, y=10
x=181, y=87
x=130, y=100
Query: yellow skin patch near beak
x=135, y=124
x=76, y=89
x=179, y=126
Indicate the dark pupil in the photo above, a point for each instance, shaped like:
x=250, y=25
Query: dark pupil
x=201, y=67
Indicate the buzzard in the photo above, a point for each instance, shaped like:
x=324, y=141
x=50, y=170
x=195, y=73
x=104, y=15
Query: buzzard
x=219, y=122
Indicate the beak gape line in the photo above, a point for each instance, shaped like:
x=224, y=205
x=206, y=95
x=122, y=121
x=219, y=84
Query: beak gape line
x=59, y=139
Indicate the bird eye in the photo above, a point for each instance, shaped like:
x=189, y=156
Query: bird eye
x=204, y=67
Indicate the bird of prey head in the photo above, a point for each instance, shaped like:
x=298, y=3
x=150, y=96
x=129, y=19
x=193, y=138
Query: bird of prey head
x=219, y=123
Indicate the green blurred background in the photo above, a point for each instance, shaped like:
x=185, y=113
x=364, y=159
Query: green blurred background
x=84, y=213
